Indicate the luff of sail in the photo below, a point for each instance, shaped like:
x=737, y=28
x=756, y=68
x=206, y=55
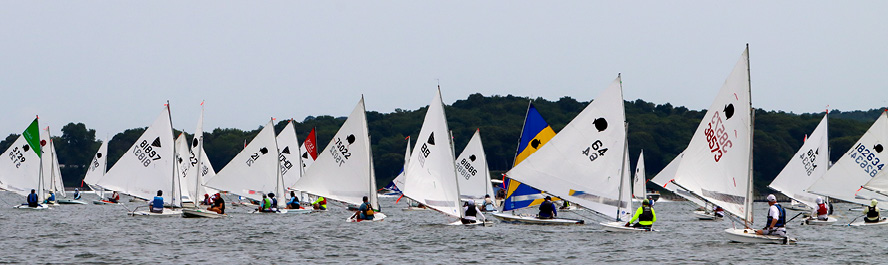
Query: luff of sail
x=343, y=171
x=584, y=162
x=858, y=166
x=638, y=184
x=430, y=178
x=716, y=164
x=805, y=167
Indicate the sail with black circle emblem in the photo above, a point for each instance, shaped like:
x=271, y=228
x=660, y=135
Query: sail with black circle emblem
x=861, y=165
x=472, y=174
x=254, y=171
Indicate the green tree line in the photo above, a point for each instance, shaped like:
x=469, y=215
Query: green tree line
x=661, y=130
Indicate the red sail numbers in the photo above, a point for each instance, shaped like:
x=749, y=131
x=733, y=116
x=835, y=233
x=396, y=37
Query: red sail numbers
x=717, y=137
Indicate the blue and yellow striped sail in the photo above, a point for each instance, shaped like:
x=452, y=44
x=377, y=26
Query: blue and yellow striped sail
x=535, y=134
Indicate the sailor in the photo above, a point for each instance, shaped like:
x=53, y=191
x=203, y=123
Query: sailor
x=320, y=203
x=32, y=199
x=294, y=201
x=207, y=200
x=651, y=199
x=872, y=212
x=218, y=204
x=114, y=197
x=822, y=210
x=156, y=205
x=274, y=202
x=565, y=205
x=471, y=213
x=76, y=194
x=776, y=224
x=645, y=216
x=547, y=209
x=501, y=194
x=365, y=211
x=265, y=204
x=719, y=212
x=50, y=198
x=488, y=205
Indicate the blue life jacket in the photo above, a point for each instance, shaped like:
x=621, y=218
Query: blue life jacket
x=293, y=201
x=32, y=198
x=157, y=203
x=52, y=197
x=77, y=195
x=274, y=202
x=781, y=222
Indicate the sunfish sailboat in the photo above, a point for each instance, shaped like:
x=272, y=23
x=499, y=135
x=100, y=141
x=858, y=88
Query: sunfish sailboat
x=95, y=172
x=665, y=177
x=52, y=175
x=473, y=177
x=344, y=170
x=201, y=169
x=24, y=170
x=804, y=168
x=639, y=183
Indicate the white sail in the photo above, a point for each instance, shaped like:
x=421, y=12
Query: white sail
x=183, y=166
x=639, y=184
x=147, y=166
x=52, y=175
x=716, y=164
x=584, y=162
x=400, y=179
x=665, y=177
x=96, y=169
x=343, y=171
x=289, y=155
x=472, y=175
x=201, y=167
x=626, y=185
x=430, y=177
x=866, y=159
x=805, y=167
x=20, y=168
x=253, y=171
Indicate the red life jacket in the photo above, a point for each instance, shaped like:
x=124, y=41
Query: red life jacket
x=821, y=209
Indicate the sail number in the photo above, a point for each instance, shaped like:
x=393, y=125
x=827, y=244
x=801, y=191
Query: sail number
x=17, y=157
x=808, y=160
x=717, y=137
x=145, y=153
x=340, y=152
x=466, y=169
x=867, y=160
x=595, y=150
x=286, y=165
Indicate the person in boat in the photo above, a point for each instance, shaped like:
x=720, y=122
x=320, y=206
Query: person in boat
x=501, y=194
x=207, y=200
x=156, y=205
x=651, y=199
x=822, y=210
x=320, y=203
x=488, y=204
x=776, y=219
x=76, y=194
x=265, y=204
x=114, y=197
x=645, y=216
x=50, y=198
x=294, y=201
x=218, y=204
x=547, y=209
x=274, y=202
x=32, y=199
x=719, y=212
x=365, y=211
x=471, y=213
x=565, y=205
x=872, y=212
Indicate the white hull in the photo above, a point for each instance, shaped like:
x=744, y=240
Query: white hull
x=476, y=223
x=621, y=227
x=510, y=218
x=198, y=213
x=166, y=213
x=749, y=236
x=799, y=208
x=25, y=207
x=703, y=215
x=296, y=211
x=568, y=209
x=884, y=221
x=815, y=221
x=377, y=217
x=103, y=202
x=67, y=201
x=411, y=208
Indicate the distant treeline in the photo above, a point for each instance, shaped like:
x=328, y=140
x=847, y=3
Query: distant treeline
x=662, y=131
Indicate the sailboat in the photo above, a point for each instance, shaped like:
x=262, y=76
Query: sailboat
x=804, y=168
x=473, y=177
x=535, y=133
x=344, y=170
x=255, y=170
x=639, y=183
x=289, y=157
x=430, y=178
x=148, y=166
x=855, y=177
x=24, y=170
x=201, y=169
x=96, y=171
x=52, y=175
x=309, y=150
x=664, y=179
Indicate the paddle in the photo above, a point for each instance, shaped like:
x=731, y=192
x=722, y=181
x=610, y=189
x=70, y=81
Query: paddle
x=855, y=219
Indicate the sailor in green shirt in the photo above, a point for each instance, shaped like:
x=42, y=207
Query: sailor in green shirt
x=645, y=216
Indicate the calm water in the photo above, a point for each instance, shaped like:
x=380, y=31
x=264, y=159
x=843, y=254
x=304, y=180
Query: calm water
x=105, y=234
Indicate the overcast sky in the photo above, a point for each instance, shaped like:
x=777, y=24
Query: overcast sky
x=113, y=64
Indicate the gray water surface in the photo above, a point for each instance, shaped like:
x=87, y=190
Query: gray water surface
x=105, y=234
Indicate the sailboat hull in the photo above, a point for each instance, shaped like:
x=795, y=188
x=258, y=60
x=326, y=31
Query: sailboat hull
x=510, y=218
x=748, y=236
x=103, y=202
x=815, y=221
x=166, y=213
x=484, y=223
x=25, y=207
x=200, y=213
x=67, y=201
x=884, y=221
x=703, y=215
x=621, y=227
x=377, y=217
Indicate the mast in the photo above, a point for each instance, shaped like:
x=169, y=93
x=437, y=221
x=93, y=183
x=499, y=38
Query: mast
x=518, y=145
x=279, y=179
x=199, y=154
x=623, y=179
x=40, y=183
x=175, y=165
x=748, y=211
